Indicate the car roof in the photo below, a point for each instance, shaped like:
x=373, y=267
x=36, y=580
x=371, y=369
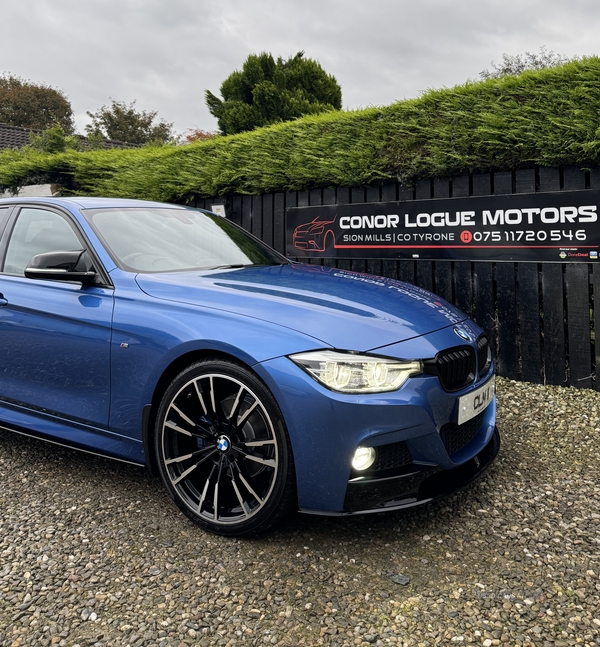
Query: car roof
x=90, y=202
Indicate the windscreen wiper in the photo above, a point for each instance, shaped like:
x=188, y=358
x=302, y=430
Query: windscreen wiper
x=232, y=266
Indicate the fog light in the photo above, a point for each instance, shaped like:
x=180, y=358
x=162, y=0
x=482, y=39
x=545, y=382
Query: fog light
x=364, y=457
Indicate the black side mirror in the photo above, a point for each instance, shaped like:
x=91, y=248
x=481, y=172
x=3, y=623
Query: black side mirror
x=73, y=265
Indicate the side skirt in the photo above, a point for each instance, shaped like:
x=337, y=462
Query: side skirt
x=31, y=434
x=68, y=433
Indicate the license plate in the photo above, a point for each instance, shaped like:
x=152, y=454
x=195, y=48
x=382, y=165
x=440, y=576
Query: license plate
x=475, y=402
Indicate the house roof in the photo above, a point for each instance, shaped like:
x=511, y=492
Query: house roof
x=17, y=137
x=13, y=136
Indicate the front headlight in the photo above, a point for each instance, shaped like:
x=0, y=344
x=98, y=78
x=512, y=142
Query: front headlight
x=348, y=373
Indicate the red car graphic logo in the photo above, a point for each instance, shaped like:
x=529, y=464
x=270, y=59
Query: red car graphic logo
x=314, y=236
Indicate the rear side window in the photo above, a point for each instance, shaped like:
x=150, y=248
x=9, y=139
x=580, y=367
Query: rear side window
x=3, y=218
x=37, y=231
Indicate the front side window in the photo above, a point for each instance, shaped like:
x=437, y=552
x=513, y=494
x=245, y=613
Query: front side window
x=37, y=231
x=162, y=240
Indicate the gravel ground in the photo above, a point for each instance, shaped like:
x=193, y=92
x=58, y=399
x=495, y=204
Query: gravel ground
x=93, y=552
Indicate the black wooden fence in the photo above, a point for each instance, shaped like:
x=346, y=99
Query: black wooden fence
x=539, y=316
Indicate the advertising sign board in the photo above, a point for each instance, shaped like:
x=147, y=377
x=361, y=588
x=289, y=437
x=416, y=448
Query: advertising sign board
x=540, y=227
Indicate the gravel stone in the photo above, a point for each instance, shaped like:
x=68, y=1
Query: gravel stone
x=94, y=553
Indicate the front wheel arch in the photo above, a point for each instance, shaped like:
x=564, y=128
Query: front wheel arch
x=150, y=410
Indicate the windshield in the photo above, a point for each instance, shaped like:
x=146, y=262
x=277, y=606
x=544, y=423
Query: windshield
x=162, y=240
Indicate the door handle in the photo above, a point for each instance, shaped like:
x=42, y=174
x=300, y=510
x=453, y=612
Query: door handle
x=3, y=301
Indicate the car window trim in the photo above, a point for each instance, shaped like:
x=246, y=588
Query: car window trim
x=3, y=228
x=103, y=275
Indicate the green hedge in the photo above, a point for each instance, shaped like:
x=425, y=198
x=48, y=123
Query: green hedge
x=543, y=118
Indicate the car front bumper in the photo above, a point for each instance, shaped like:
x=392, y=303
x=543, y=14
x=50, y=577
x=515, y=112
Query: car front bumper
x=424, y=453
x=416, y=486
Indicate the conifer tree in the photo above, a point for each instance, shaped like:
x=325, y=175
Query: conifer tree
x=266, y=91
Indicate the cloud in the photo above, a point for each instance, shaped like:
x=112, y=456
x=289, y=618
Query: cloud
x=165, y=53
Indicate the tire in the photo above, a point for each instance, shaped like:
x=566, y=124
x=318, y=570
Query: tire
x=223, y=451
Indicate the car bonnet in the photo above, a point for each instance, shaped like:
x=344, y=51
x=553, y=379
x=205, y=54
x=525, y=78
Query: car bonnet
x=345, y=310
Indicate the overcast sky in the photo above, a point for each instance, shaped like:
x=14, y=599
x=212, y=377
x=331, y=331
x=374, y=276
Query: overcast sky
x=165, y=53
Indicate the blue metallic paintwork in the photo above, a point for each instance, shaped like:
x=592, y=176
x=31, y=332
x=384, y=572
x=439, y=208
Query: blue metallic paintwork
x=257, y=315
x=340, y=309
x=157, y=336
x=224, y=311
x=55, y=347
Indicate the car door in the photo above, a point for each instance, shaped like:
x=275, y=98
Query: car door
x=54, y=335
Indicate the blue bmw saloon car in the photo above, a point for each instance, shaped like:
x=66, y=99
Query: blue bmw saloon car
x=169, y=337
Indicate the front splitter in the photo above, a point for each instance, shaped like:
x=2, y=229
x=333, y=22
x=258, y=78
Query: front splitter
x=416, y=488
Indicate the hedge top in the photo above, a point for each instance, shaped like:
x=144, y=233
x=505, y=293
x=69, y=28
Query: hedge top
x=540, y=118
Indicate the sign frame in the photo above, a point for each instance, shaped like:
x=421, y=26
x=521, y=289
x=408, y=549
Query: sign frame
x=557, y=227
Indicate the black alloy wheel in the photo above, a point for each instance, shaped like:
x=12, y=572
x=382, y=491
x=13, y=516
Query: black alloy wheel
x=223, y=451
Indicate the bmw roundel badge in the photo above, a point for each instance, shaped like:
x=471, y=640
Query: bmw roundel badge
x=463, y=334
x=223, y=443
